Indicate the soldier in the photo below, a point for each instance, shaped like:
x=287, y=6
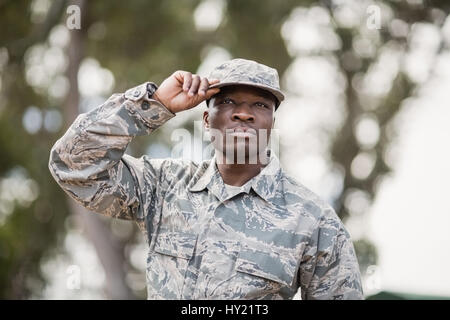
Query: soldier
x=219, y=229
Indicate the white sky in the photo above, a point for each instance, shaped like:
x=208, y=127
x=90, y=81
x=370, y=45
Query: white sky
x=410, y=220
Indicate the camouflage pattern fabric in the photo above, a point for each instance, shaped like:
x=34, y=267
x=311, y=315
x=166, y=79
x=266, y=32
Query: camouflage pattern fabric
x=266, y=242
x=247, y=72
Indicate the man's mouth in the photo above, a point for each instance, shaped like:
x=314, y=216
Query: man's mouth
x=241, y=131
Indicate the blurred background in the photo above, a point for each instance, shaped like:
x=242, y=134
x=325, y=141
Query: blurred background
x=364, y=125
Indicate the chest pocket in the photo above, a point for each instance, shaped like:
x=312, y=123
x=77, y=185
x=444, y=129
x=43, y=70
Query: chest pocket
x=279, y=269
x=175, y=243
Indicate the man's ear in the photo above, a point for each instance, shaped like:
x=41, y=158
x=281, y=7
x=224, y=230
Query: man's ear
x=206, y=119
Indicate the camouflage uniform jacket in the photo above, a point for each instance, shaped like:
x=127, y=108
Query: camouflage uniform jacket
x=267, y=242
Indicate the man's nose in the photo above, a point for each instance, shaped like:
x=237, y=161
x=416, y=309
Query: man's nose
x=242, y=112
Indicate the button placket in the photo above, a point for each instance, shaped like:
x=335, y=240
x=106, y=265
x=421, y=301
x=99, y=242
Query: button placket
x=207, y=275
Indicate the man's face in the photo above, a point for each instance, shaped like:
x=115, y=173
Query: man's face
x=240, y=119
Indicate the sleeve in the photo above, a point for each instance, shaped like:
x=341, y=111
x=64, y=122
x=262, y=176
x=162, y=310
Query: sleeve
x=329, y=269
x=88, y=162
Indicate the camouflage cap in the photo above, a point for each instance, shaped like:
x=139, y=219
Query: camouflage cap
x=247, y=72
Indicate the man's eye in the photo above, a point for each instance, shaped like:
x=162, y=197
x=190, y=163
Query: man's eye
x=260, y=104
x=227, y=101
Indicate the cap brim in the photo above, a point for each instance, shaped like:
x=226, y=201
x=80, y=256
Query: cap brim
x=277, y=93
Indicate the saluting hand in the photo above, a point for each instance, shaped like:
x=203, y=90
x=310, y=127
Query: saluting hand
x=183, y=90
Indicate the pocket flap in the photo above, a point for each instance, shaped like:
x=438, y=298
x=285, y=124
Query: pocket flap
x=175, y=243
x=267, y=265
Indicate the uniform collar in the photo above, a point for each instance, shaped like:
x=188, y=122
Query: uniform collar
x=264, y=184
x=211, y=179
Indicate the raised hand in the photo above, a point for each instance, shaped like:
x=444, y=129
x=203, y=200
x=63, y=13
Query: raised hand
x=184, y=90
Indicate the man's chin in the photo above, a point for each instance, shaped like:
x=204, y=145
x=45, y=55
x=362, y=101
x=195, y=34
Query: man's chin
x=242, y=152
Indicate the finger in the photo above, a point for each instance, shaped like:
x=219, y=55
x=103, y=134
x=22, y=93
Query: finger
x=212, y=92
x=187, y=81
x=194, y=85
x=204, y=84
x=213, y=81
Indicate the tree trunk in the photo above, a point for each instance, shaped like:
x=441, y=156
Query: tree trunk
x=109, y=250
